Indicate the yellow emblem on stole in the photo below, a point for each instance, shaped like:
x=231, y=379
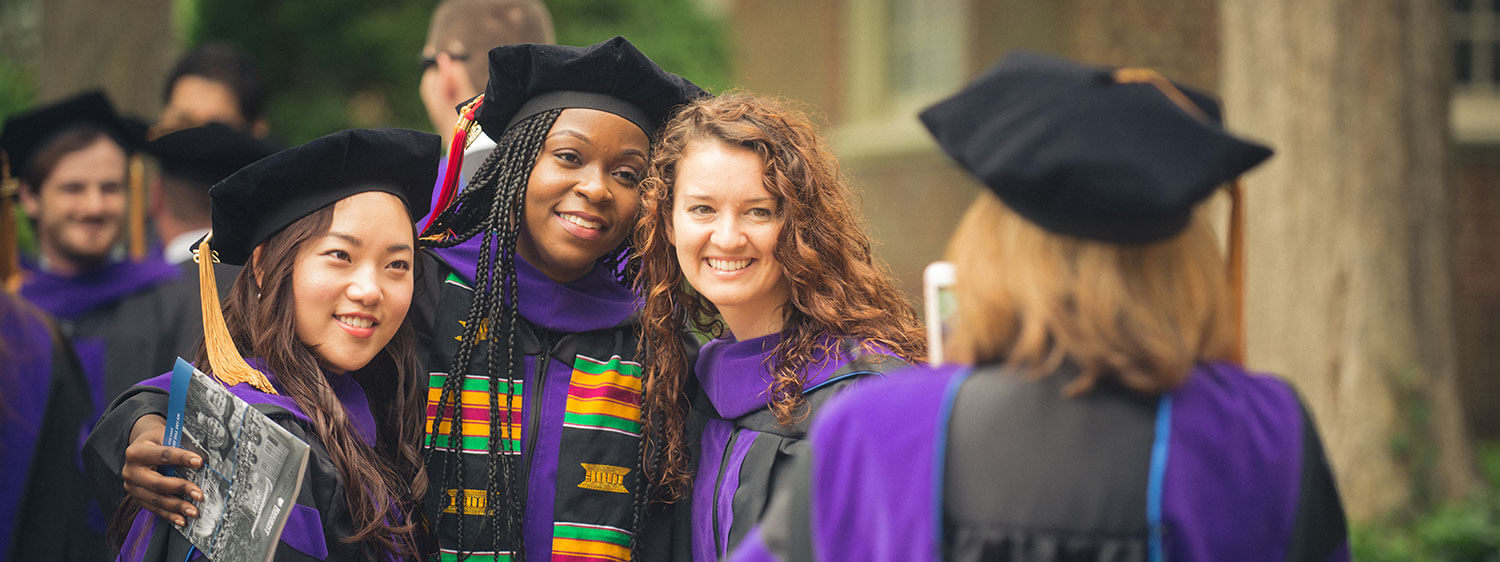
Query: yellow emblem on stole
x=474, y=501
x=604, y=477
x=484, y=330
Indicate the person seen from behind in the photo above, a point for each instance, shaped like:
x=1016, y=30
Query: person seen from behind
x=1095, y=409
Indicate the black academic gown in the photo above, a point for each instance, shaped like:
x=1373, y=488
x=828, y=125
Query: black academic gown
x=123, y=327
x=44, y=402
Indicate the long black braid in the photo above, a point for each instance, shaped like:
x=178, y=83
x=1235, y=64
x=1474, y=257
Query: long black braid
x=491, y=207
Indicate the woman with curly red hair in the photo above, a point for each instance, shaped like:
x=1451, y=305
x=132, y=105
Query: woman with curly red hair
x=749, y=234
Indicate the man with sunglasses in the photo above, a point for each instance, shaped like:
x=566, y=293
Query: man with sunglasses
x=454, y=65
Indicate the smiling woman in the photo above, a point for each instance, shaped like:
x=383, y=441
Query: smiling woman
x=321, y=306
x=581, y=198
x=353, y=284
x=535, y=383
x=749, y=233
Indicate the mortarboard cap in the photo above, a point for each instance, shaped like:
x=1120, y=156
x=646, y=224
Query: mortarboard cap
x=613, y=76
x=1081, y=151
x=266, y=196
x=27, y=133
x=527, y=79
x=207, y=154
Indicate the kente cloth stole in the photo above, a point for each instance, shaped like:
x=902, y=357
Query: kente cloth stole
x=599, y=449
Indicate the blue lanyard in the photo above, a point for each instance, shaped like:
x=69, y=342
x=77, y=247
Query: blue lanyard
x=1159, y=448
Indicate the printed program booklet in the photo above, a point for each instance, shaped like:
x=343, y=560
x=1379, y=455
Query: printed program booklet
x=252, y=468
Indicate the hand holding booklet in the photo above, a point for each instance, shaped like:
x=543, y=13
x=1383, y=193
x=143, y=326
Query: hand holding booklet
x=251, y=473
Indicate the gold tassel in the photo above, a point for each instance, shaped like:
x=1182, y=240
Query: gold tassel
x=137, y=208
x=1237, y=267
x=228, y=366
x=10, y=243
x=10, y=262
x=1154, y=78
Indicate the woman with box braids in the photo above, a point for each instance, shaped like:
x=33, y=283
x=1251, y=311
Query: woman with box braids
x=552, y=208
x=501, y=183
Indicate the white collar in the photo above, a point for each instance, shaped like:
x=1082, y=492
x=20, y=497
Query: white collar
x=180, y=249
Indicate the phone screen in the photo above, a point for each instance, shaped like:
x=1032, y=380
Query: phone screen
x=939, y=305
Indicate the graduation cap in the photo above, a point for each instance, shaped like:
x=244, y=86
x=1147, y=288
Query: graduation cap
x=204, y=155
x=26, y=134
x=612, y=76
x=259, y=200
x=527, y=79
x=1118, y=155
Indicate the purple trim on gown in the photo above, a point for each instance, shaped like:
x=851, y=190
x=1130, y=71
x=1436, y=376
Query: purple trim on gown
x=70, y=297
x=28, y=356
x=350, y=394
x=1231, y=488
x=303, y=532
x=91, y=353
x=871, y=499
x=736, y=377
x=1218, y=472
x=594, y=302
x=304, y=527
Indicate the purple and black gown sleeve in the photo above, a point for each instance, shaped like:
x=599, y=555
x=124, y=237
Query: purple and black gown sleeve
x=313, y=530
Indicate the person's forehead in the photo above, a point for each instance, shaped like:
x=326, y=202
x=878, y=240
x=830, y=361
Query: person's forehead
x=102, y=157
x=200, y=96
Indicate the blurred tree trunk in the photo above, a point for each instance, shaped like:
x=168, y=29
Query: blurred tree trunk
x=1349, y=233
x=125, y=47
x=1178, y=38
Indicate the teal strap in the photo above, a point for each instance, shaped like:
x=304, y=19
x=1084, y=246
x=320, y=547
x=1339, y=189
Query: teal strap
x=1159, y=450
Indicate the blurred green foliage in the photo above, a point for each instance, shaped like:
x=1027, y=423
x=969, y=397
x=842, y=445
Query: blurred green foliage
x=330, y=64
x=17, y=94
x=17, y=87
x=334, y=64
x=1467, y=530
x=677, y=34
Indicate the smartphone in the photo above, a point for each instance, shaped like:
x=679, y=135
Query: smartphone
x=939, y=304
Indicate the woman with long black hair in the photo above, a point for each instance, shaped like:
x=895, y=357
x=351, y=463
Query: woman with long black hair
x=321, y=310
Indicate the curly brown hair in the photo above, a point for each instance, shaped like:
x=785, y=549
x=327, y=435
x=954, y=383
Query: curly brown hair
x=837, y=287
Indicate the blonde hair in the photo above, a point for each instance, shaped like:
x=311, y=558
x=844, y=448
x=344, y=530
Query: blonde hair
x=1141, y=314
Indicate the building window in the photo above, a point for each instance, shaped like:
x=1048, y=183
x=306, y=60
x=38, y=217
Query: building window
x=924, y=57
x=902, y=56
x=1475, y=27
x=1476, y=42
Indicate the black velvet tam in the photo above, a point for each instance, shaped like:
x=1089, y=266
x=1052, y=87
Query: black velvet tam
x=266, y=196
x=207, y=154
x=611, y=76
x=1080, y=153
x=27, y=133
